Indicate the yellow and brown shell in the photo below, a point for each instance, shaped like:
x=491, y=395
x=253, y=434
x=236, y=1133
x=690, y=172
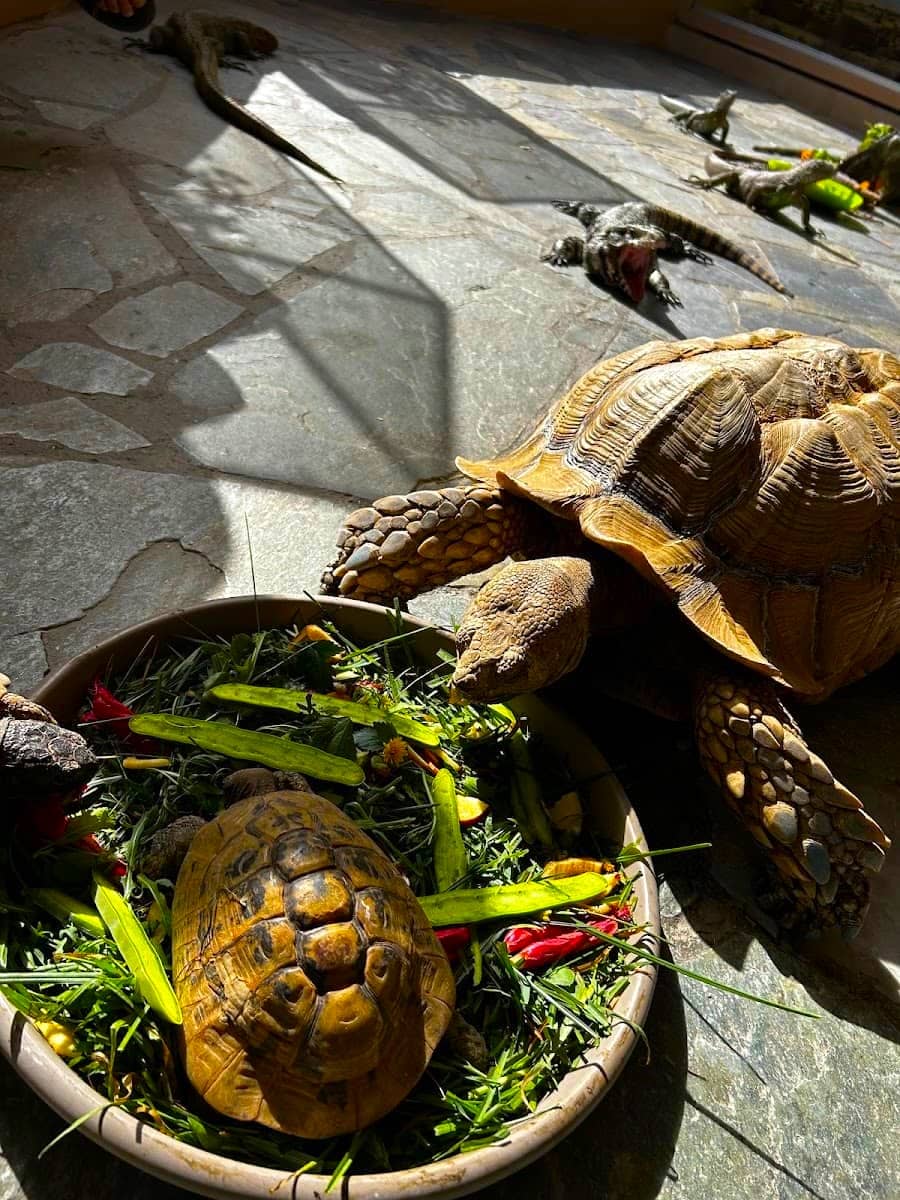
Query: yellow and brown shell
x=312, y=986
x=756, y=478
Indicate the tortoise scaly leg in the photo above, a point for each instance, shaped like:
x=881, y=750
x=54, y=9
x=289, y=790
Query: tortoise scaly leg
x=822, y=843
x=400, y=546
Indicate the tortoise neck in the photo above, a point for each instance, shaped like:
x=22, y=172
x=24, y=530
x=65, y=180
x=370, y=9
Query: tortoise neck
x=620, y=597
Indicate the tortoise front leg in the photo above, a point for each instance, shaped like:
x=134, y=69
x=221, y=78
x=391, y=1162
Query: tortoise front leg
x=822, y=843
x=400, y=546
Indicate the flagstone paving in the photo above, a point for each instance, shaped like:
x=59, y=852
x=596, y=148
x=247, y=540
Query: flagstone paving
x=198, y=338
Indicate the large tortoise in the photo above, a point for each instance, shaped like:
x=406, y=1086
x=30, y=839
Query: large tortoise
x=313, y=988
x=751, y=481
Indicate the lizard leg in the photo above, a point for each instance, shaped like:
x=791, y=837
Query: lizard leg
x=712, y=181
x=403, y=545
x=659, y=285
x=821, y=842
x=565, y=252
x=679, y=248
x=723, y=130
x=235, y=64
x=811, y=231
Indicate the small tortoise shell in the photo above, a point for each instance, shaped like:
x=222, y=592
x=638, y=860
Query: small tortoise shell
x=313, y=988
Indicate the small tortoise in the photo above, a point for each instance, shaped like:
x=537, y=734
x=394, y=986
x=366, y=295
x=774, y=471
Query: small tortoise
x=37, y=756
x=312, y=986
x=751, y=481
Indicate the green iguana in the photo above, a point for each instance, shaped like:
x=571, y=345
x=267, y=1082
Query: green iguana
x=879, y=164
x=620, y=247
x=202, y=41
x=767, y=191
x=702, y=121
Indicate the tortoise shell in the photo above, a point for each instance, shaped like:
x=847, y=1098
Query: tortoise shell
x=756, y=478
x=312, y=986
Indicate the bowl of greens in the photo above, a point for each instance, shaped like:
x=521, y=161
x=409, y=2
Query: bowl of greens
x=554, y=999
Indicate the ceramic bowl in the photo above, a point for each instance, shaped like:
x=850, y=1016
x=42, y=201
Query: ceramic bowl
x=224, y=1178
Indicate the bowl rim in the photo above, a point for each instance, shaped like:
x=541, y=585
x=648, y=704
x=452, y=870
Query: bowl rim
x=223, y=1178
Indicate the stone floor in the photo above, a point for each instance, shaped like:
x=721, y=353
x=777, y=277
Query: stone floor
x=198, y=338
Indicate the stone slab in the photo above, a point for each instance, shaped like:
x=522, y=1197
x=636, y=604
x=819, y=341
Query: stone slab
x=365, y=378
x=252, y=248
x=66, y=243
x=72, y=424
x=165, y=319
x=72, y=116
x=81, y=368
x=63, y=66
x=178, y=129
x=24, y=659
x=105, y=516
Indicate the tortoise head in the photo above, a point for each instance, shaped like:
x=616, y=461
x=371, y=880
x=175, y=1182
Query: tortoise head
x=526, y=628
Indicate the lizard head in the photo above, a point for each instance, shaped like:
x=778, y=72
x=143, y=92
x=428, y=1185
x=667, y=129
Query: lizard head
x=818, y=168
x=726, y=99
x=624, y=255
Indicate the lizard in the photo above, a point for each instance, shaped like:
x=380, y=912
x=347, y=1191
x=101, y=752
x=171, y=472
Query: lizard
x=620, y=247
x=202, y=41
x=879, y=163
x=702, y=121
x=765, y=191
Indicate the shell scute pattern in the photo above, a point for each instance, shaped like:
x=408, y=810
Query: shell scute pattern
x=313, y=989
x=756, y=478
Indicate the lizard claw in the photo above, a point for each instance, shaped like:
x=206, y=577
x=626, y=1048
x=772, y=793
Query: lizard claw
x=667, y=296
x=235, y=64
x=695, y=254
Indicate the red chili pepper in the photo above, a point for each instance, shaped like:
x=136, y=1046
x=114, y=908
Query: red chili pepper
x=454, y=939
x=523, y=935
x=114, y=714
x=45, y=821
x=534, y=947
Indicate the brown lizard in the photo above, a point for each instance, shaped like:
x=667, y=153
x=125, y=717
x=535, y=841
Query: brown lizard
x=619, y=247
x=202, y=41
x=767, y=191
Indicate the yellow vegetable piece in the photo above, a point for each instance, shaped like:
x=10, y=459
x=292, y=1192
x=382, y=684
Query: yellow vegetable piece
x=471, y=810
x=140, y=955
x=450, y=860
x=566, y=814
x=468, y=906
x=311, y=633
x=67, y=908
x=561, y=868
x=145, y=764
x=59, y=1037
x=294, y=700
x=248, y=746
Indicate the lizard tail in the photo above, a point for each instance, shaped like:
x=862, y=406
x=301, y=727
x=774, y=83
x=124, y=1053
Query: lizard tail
x=206, y=80
x=673, y=106
x=707, y=239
